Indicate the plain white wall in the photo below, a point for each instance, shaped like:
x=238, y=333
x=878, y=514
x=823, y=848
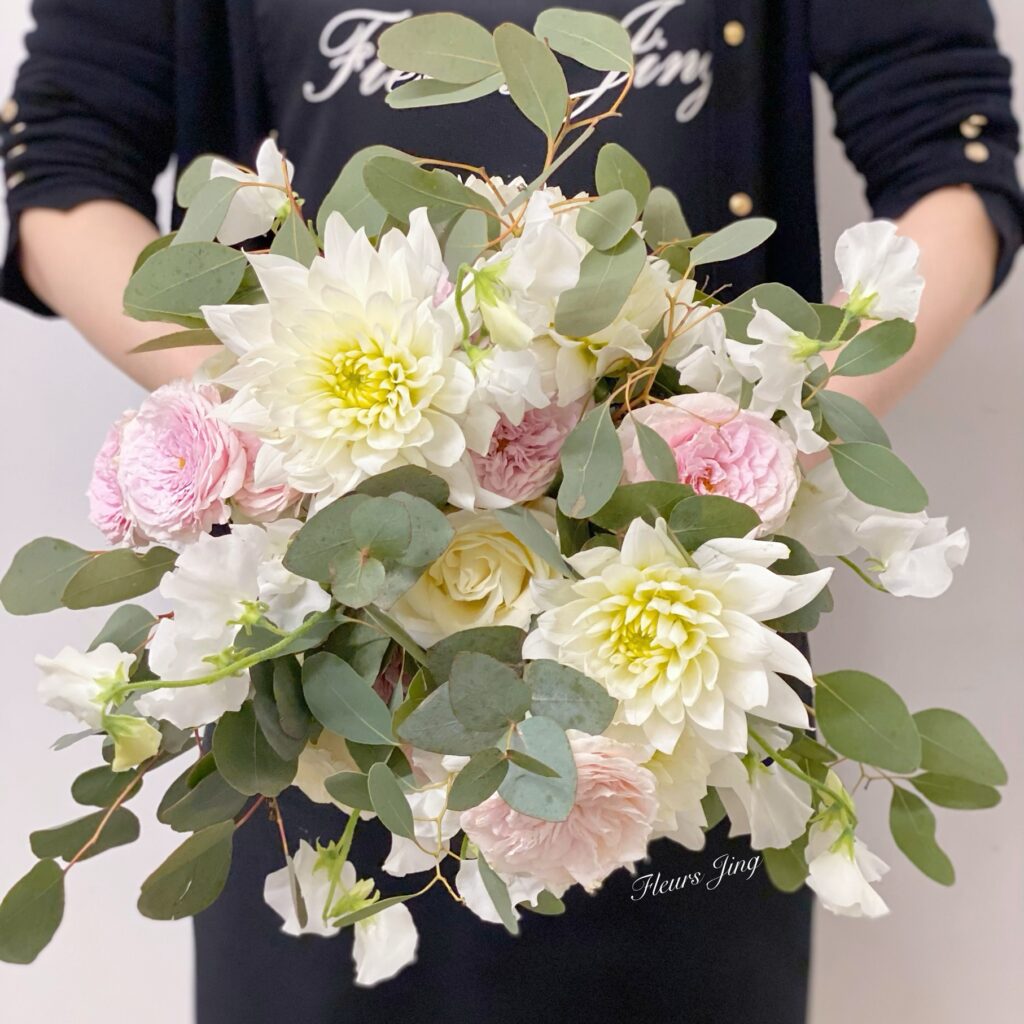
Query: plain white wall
x=942, y=955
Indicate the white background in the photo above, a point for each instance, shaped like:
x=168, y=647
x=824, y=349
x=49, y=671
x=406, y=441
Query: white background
x=943, y=955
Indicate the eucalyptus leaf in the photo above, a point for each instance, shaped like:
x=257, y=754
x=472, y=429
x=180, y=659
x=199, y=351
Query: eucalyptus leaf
x=732, y=241
x=591, y=464
x=65, y=841
x=498, y=892
x=485, y=694
x=605, y=282
x=865, y=719
x=294, y=240
x=370, y=911
x=951, y=745
x=950, y=791
x=343, y=702
x=128, y=628
x=704, y=517
x=534, y=77
x=478, y=779
x=647, y=500
x=657, y=455
x=389, y=801
x=504, y=643
x=913, y=828
x=209, y=800
x=606, y=219
x=466, y=239
x=787, y=868
x=206, y=211
x=875, y=349
x=350, y=197
x=595, y=40
x=322, y=538
x=448, y=46
x=31, y=913
x=617, y=168
x=550, y=799
x=877, y=476
x=174, y=283
x=246, y=758
x=283, y=676
x=401, y=187
x=361, y=646
x=431, y=92
x=851, y=420
x=193, y=178
x=38, y=575
x=433, y=726
x=413, y=480
x=117, y=575
x=190, y=338
x=663, y=219
x=350, y=789
x=789, y=306
x=192, y=877
x=100, y=787
x=568, y=697
x=525, y=527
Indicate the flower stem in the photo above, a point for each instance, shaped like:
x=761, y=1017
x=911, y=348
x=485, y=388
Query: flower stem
x=874, y=584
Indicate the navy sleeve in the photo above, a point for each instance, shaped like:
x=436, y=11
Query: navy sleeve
x=922, y=100
x=91, y=116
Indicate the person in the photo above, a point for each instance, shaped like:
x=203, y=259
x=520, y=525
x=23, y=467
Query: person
x=721, y=113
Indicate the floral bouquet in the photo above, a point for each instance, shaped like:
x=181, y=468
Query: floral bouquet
x=486, y=519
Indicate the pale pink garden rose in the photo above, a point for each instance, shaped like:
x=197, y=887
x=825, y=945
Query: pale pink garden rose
x=720, y=448
x=179, y=464
x=523, y=457
x=261, y=504
x=106, y=501
x=608, y=827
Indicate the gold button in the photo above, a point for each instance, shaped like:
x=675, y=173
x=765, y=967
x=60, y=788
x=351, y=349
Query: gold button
x=740, y=204
x=970, y=130
x=9, y=111
x=15, y=180
x=976, y=152
x=734, y=33
x=979, y=120
x=15, y=151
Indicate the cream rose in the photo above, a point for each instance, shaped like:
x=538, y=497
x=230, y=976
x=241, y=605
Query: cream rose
x=483, y=579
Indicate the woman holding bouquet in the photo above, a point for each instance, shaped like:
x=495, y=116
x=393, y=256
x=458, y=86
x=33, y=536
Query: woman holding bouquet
x=721, y=113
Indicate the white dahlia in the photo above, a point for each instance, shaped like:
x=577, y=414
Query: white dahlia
x=680, y=639
x=350, y=369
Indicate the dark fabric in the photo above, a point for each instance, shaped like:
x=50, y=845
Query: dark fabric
x=736, y=953
x=112, y=89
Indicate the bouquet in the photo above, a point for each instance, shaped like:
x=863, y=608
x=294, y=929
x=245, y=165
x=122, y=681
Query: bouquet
x=486, y=518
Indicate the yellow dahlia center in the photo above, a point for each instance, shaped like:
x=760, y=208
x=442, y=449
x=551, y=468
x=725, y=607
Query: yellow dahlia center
x=362, y=381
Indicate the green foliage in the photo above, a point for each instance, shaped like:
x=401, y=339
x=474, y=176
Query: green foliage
x=343, y=702
x=786, y=304
x=246, y=758
x=498, y=892
x=31, y=913
x=197, y=799
x=951, y=745
x=100, y=787
x=913, y=828
x=568, y=697
x=350, y=197
x=479, y=778
x=65, y=841
x=703, y=517
x=294, y=240
x=281, y=712
x=401, y=187
x=191, y=878
x=594, y=40
x=504, y=643
x=175, y=282
x=618, y=169
x=591, y=464
x=485, y=694
x=193, y=178
x=450, y=47
x=117, y=575
x=534, y=77
x=412, y=480
x=805, y=619
x=430, y=92
x=389, y=802
x=524, y=526
x=433, y=726
x=606, y=279
x=949, y=791
x=875, y=349
x=127, y=628
x=540, y=796
x=648, y=500
x=604, y=221
x=663, y=219
x=850, y=420
x=866, y=720
x=192, y=337
x=41, y=570
x=657, y=455
x=350, y=789
x=206, y=211
x=787, y=868
x=736, y=239
x=875, y=475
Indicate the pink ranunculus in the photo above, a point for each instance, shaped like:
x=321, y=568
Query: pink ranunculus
x=179, y=463
x=106, y=502
x=720, y=448
x=523, y=458
x=608, y=827
x=261, y=504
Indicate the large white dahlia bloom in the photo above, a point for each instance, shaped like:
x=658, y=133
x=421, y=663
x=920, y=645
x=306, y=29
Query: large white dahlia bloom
x=350, y=368
x=679, y=639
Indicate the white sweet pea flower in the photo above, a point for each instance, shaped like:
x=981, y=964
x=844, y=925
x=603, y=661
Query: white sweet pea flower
x=253, y=208
x=218, y=586
x=470, y=886
x=879, y=272
x=351, y=369
x=778, y=367
x=678, y=640
x=383, y=943
x=762, y=800
x=912, y=554
x=83, y=684
x=434, y=826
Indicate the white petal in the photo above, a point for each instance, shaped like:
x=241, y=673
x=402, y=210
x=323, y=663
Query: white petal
x=384, y=944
